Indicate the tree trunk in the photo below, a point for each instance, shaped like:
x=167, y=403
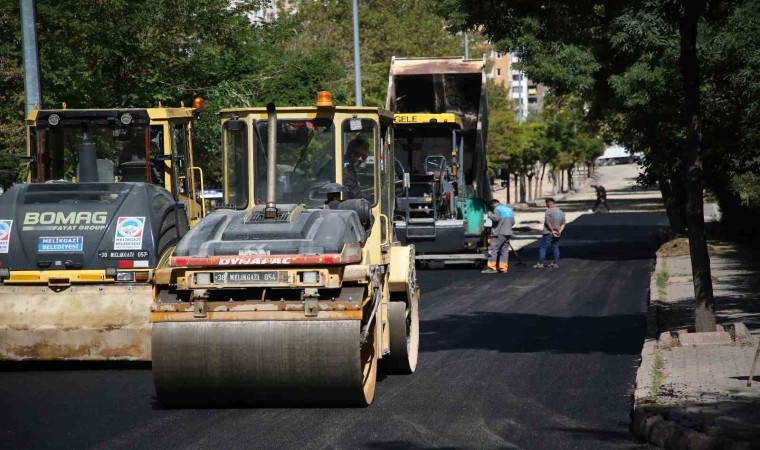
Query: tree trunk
x=700, y=260
x=540, y=190
x=570, y=183
x=530, y=176
x=522, y=188
x=673, y=207
x=553, y=178
x=561, y=181
x=517, y=190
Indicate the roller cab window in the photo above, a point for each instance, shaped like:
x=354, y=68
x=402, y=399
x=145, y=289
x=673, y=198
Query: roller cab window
x=180, y=143
x=359, y=138
x=236, y=164
x=305, y=160
x=123, y=152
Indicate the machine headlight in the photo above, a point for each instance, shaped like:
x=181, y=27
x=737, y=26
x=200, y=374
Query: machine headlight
x=310, y=277
x=203, y=278
x=125, y=276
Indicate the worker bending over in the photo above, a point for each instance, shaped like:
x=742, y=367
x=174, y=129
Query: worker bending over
x=503, y=219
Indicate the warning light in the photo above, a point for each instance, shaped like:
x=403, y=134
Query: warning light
x=199, y=103
x=324, y=98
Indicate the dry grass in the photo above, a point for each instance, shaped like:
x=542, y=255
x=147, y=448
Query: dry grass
x=662, y=285
x=676, y=247
x=657, y=375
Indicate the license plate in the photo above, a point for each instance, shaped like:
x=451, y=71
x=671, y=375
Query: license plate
x=246, y=277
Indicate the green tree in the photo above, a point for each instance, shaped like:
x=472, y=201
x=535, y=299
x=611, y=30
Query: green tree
x=514, y=146
x=285, y=75
x=11, y=95
x=403, y=28
x=135, y=53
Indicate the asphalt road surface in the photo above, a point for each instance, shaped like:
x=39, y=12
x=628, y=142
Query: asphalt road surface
x=540, y=359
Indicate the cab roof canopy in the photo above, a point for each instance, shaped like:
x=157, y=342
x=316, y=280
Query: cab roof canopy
x=41, y=117
x=310, y=110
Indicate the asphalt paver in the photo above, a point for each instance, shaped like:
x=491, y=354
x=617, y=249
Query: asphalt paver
x=538, y=359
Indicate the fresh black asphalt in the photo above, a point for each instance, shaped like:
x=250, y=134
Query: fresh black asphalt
x=539, y=359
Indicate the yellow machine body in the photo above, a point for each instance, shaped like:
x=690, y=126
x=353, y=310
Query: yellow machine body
x=269, y=325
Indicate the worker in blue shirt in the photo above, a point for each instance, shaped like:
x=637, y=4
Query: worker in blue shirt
x=503, y=219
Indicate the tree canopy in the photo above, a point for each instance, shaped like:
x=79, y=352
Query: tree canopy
x=135, y=53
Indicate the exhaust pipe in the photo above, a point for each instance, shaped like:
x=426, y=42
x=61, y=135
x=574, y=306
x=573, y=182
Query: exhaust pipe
x=88, y=161
x=270, y=212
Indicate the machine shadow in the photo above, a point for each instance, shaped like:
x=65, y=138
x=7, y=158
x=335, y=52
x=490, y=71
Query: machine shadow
x=608, y=237
x=405, y=445
x=532, y=333
x=621, y=435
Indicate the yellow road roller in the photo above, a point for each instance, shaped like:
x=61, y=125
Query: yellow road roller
x=109, y=193
x=296, y=289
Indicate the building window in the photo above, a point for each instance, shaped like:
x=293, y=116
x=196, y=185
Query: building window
x=516, y=89
x=532, y=100
x=498, y=72
x=498, y=55
x=515, y=77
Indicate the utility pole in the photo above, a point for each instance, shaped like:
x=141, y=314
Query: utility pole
x=31, y=56
x=466, y=46
x=357, y=60
x=520, y=96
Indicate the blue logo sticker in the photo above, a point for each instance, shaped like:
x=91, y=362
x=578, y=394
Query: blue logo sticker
x=60, y=244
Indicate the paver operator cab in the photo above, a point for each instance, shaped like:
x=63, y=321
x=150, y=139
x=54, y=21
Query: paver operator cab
x=297, y=289
x=109, y=193
x=432, y=205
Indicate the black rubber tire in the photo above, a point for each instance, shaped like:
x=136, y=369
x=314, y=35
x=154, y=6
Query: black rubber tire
x=170, y=235
x=404, y=324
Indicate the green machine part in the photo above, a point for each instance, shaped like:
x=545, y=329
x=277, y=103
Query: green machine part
x=472, y=210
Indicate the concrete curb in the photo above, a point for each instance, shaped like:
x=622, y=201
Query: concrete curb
x=648, y=424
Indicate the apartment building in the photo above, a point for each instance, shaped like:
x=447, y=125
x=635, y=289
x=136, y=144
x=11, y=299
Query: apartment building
x=527, y=95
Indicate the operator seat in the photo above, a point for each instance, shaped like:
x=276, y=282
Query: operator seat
x=105, y=171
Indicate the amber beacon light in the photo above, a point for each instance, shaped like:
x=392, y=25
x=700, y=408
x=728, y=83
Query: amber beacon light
x=199, y=103
x=324, y=98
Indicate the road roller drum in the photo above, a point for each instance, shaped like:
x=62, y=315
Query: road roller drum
x=264, y=362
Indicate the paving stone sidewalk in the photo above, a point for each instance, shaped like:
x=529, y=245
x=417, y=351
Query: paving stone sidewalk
x=696, y=396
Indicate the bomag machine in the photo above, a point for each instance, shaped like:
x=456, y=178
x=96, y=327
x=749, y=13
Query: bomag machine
x=441, y=107
x=298, y=290
x=109, y=193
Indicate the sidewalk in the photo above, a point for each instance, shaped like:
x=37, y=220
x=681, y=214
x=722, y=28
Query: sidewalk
x=691, y=388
